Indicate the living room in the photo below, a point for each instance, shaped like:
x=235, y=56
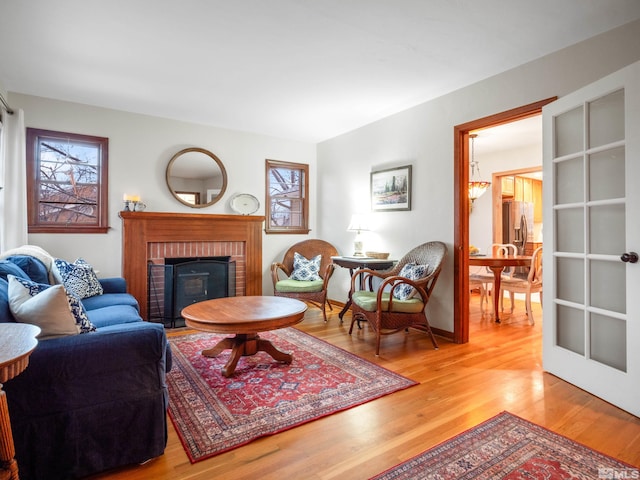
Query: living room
x=142, y=144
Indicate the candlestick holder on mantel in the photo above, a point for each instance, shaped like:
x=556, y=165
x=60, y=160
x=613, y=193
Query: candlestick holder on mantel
x=132, y=203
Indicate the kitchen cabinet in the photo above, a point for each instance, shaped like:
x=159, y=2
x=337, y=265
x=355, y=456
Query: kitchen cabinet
x=507, y=186
x=524, y=189
x=537, y=201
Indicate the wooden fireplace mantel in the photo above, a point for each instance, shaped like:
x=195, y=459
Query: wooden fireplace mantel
x=139, y=229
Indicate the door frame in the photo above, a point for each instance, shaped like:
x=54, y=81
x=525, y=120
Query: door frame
x=461, y=207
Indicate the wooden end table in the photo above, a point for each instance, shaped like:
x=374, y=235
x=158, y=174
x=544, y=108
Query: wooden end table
x=17, y=341
x=358, y=263
x=244, y=316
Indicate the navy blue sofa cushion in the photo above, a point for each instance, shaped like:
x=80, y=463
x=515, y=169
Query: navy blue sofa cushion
x=34, y=268
x=113, y=315
x=9, y=268
x=107, y=299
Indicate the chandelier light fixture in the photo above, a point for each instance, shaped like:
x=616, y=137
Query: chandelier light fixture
x=476, y=186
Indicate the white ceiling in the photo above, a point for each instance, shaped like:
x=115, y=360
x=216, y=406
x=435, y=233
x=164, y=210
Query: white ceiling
x=297, y=69
x=509, y=136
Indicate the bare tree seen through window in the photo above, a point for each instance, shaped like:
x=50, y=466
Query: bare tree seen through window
x=287, y=197
x=69, y=190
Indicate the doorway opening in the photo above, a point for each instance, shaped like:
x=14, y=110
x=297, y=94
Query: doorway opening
x=461, y=206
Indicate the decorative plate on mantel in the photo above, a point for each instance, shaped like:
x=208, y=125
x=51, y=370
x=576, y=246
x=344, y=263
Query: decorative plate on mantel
x=244, y=204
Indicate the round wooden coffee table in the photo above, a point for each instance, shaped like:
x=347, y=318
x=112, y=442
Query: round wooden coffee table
x=244, y=317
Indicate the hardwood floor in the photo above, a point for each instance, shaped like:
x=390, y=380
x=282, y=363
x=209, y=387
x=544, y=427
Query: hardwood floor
x=460, y=386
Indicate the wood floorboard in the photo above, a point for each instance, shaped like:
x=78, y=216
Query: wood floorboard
x=460, y=386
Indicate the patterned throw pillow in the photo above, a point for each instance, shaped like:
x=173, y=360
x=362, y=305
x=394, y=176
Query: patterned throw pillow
x=412, y=272
x=78, y=277
x=55, y=310
x=306, y=270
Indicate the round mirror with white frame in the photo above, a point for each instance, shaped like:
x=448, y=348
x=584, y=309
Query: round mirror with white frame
x=196, y=177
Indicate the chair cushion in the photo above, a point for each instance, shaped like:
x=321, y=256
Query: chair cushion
x=305, y=269
x=367, y=301
x=297, y=286
x=412, y=272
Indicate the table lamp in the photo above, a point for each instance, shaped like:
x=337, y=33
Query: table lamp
x=357, y=224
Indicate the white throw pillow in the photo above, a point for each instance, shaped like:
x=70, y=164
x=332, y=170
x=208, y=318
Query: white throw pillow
x=412, y=272
x=78, y=277
x=304, y=269
x=52, y=308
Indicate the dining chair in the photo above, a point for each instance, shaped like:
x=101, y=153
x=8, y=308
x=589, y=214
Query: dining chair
x=476, y=283
x=483, y=278
x=532, y=284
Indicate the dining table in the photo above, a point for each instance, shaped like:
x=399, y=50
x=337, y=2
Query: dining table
x=497, y=264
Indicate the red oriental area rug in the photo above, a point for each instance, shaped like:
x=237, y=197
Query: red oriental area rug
x=509, y=447
x=213, y=414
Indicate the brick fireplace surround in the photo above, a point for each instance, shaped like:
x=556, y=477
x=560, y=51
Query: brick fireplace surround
x=150, y=237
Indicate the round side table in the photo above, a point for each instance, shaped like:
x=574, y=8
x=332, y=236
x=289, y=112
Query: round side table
x=17, y=341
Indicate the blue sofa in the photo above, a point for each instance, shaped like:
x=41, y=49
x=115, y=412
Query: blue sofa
x=92, y=401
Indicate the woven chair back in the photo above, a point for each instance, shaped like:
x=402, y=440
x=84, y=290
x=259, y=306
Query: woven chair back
x=309, y=249
x=429, y=253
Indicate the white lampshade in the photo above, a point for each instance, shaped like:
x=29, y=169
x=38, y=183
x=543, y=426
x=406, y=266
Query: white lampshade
x=358, y=223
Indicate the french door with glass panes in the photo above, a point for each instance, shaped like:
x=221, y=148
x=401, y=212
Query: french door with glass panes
x=591, y=322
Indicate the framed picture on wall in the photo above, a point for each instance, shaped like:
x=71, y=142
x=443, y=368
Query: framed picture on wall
x=391, y=189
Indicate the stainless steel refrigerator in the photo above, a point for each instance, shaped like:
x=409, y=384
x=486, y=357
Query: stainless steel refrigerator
x=517, y=223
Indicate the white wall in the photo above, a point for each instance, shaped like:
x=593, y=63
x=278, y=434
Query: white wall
x=140, y=148
x=481, y=218
x=423, y=136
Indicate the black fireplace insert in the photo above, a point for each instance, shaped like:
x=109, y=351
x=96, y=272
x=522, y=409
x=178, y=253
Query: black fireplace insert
x=183, y=281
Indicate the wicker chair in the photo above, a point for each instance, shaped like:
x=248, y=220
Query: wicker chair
x=387, y=314
x=314, y=291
